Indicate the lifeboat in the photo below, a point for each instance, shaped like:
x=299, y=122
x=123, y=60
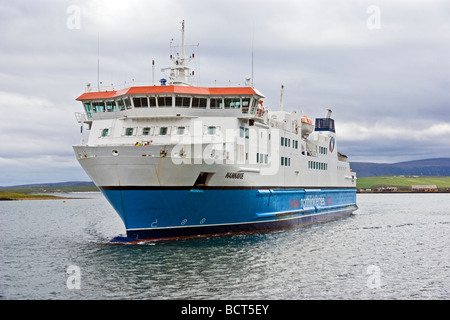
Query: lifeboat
x=307, y=126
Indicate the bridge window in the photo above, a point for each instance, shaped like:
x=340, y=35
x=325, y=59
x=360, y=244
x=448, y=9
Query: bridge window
x=140, y=102
x=121, y=105
x=152, y=102
x=232, y=103
x=127, y=103
x=165, y=102
x=254, y=105
x=199, y=103
x=216, y=103
x=182, y=102
x=88, y=108
x=98, y=106
x=111, y=106
x=181, y=130
x=245, y=105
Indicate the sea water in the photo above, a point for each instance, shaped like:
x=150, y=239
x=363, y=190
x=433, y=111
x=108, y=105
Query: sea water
x=396, y=246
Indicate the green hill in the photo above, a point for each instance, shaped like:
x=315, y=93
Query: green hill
x=403, y=183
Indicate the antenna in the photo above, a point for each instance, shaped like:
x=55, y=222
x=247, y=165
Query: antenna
x=183, y=52
x=253, y=38
x=153, y=72
x=98, y=61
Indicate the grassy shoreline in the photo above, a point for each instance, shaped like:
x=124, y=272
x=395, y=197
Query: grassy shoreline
x=403, y=183
x=10, y=196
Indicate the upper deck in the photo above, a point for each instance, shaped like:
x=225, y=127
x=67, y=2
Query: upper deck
x=172, y=100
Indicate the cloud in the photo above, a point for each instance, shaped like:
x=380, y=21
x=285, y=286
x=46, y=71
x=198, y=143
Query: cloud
x=36, y=138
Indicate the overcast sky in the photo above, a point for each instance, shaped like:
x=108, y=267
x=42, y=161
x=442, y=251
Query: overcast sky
x=383, y=67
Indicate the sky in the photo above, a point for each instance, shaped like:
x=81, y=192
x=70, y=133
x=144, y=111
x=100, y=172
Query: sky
x=383, y=67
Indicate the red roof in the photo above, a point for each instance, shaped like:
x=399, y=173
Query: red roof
x=169, y=89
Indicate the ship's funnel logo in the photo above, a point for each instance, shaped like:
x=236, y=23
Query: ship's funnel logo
x=331, y=144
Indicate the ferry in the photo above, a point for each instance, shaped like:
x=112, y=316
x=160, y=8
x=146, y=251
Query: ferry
x=177, y=160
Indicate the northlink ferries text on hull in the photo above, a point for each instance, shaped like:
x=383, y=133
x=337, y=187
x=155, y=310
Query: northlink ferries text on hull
x=176, y=160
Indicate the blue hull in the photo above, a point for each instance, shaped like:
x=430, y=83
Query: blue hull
x=151, y=213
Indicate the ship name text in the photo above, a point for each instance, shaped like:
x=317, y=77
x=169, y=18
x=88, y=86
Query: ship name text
x=234, y=175
x=311, y=202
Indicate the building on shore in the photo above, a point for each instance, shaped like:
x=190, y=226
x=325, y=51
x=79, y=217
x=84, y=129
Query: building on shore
x=424, y=188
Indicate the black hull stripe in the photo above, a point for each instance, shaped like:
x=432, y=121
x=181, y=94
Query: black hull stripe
x=219, y=187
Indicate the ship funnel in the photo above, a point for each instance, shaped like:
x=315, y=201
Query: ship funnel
x=328, y=113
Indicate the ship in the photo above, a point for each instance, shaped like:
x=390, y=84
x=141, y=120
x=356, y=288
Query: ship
x=176, y=160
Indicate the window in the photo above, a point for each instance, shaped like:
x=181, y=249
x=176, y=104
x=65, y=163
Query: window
x=241, y=132
x=245, y=105
x=282, y=161
x=282, y=141
x=182, y=102
x=152, y=102
x=163, y=131
x=140, y=102
x=121, y=105
x=98, y=106
x=105, y=132
x=246, y=133
x=146, y=131
x=88, y=108
x=216, y=103
x=127, y=103
x=317, y=165
x=181, y=130
x=199, y=103
x=232, y=103
x=129, y=131
x=254, y=105
x=211, y=130
x=323, y=150
x=111, y=106
x=165, y=102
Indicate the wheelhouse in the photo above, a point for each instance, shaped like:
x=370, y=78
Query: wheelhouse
x=172, y=100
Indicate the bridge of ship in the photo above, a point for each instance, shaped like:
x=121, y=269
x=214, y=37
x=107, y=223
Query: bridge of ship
x=173, y=101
